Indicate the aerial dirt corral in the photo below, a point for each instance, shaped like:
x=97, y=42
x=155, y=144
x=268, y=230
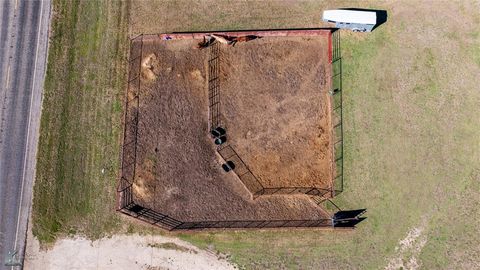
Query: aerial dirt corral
x=276, y=107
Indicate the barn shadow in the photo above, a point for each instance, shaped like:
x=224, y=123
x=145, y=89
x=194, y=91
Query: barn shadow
x=381, y=15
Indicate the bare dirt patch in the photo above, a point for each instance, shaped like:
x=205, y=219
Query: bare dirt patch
x=409, y=248
x=277, y=109
x=122, y=252
x=178, y=169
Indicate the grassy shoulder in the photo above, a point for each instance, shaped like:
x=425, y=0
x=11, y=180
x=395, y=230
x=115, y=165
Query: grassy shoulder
x=78, y=156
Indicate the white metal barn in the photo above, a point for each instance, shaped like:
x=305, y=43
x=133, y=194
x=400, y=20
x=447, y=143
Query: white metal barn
x=356, y=20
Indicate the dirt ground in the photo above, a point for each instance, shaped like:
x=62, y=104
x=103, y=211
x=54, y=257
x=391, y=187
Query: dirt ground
x=122, y=252
x=277, y=109
x=179, y=172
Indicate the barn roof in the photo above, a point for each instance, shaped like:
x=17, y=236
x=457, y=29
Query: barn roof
x=350, y=16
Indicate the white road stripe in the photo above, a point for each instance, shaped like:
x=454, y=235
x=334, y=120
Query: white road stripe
x=7, y=82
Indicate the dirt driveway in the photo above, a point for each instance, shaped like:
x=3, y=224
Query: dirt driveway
x=122, y=252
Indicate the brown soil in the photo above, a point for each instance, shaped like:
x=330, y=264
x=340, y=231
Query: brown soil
x=276, y=108
x=178, y=170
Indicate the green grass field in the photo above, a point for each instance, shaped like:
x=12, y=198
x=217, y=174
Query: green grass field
x=411, y=131
x=78, y=156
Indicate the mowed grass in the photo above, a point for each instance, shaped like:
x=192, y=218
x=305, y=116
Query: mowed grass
x=412, y=142
x=78, y=157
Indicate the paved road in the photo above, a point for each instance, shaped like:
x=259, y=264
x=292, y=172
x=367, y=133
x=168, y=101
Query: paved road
x=23, y=50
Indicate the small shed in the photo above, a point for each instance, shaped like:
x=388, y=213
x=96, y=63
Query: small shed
x=355, y=20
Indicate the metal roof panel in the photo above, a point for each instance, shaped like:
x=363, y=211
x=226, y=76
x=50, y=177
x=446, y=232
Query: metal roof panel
x=350, y=16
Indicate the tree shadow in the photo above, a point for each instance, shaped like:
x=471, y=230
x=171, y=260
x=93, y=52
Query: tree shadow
x=381, y=15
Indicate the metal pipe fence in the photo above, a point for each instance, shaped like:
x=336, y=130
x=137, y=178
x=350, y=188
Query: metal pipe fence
x=245, y=175
x=131, y=117
x=228, y=153
x=214, y=86
x=129, y=148
x=127, y=204
x=166, y=222
x=337, y=114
